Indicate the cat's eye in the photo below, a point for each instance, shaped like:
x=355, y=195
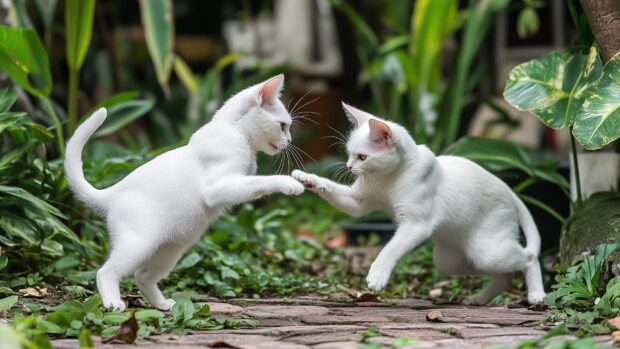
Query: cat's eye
x=362, y=157
x=282, y=126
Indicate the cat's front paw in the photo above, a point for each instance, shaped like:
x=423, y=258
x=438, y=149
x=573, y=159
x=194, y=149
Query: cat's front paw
x=310, y=181
x=535, y=297
x=289, y=186
x=114, y=304
x=377, y=278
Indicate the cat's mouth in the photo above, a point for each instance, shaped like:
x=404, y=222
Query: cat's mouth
x=274, y=147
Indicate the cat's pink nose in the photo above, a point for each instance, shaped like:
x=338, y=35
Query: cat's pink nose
x=349, y=168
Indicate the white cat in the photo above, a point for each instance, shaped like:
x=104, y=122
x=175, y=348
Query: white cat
x=163, y=207
x=472, y=217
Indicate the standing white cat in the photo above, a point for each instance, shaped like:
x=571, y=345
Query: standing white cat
x=163, y=207
x=472, y=217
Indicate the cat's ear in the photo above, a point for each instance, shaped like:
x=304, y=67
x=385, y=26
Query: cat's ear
x=355, y=116
x=270, y=90
x=380, y=132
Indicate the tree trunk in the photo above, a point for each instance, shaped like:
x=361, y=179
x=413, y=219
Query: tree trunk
x=604, y=19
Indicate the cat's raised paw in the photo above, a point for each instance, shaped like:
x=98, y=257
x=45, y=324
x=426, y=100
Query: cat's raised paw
x=310, y=181
x=535, y=297
x=165, y=304
x=291, y=187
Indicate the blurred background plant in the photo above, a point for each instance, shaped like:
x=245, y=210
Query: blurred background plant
x=162, y=68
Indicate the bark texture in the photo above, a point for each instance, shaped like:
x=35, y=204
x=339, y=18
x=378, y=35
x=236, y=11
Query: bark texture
x=604, y=19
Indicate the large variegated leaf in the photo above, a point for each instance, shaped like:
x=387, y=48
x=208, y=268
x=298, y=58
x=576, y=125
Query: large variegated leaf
x=553, y=87
x=598, y=120
x=158, y=21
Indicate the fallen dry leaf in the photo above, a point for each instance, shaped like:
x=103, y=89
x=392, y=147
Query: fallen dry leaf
x=134, y=301
x=366, y=297
x=338, y=241
x=615, y=322
x=435, y=293
x=434, y=316
x=616, y=336
x=538, y=307
x=33, y=292
x=218, y=343
x=128, y=332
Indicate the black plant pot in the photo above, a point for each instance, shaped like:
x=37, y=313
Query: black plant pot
x=362, y=230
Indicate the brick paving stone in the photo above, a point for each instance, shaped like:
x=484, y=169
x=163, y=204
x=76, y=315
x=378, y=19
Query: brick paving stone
x=223, y=308
x=313, y=322
x=284, y=311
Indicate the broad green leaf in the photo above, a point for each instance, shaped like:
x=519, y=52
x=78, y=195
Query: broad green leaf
x=115, y=318
x=30, y=199
x=86, y=342
x=189, y=261
x=553, y=87
x=122, y=114
x=158, y=22
x=7, y=98
x=115, y=99
x=4, y=260
x=598, y=120
x=150, y=315
x=24, y=60
x=7, y=303
x=46, y=8
x=497, y=155
x=79, y=16
x=19, y=14
x=184, y=72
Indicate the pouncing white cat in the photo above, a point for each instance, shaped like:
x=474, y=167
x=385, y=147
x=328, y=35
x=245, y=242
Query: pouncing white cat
x=471, y=216
x=163, y=207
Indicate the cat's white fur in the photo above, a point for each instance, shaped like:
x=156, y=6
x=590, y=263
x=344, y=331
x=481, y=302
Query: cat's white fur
x=472, y=217
x=163, y=207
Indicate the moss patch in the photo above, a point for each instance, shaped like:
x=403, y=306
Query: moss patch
x=597, y=221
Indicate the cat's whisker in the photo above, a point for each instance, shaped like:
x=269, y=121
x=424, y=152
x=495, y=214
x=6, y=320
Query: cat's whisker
x=299, y=100
x=303, y=152
x=306, y=104
x=297, y=157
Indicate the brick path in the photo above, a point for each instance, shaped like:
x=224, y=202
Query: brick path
x=310, y=322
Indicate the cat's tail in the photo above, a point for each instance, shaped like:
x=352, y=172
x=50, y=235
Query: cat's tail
x=528, y=226
x=73, y=161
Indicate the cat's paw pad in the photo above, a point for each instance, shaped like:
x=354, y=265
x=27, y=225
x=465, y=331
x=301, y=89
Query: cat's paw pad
x=309, y=181
x=377, y=279
x=291, y=187
x=535, y=297
x=115, y=305
x=165, y=304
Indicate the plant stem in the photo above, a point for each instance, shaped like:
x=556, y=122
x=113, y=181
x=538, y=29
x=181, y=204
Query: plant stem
x=576, y=168
x=74, y=77
x=57, y=124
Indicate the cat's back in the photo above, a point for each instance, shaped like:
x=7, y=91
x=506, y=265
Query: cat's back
x=459, y=172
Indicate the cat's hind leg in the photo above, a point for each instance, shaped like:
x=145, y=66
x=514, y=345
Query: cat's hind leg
x=533, y=281
x=498, y=284
x=126, y=256
x=157, y=268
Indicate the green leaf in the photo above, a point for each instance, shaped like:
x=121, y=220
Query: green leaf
x=357, y=20
x=30, y=199
x=7, y=303
x=7, y=98
x=150, y=315
x=46, y=8
x=120, y=115
x=115, y=318
x=184, y=72
x=118, y=98
x=4, y=260
x=24, y=60
x=553, y=87
x=598, y=120
x=497, y=155
x=189, y=261
x=19, y=14
x=79, y=16
x=158, y=22
x=86, y=342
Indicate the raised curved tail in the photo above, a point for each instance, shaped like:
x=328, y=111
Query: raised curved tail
x=528, y=226
x=73, y=161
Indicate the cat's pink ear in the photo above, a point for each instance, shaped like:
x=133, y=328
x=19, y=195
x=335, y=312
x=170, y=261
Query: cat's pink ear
x=380, y=132
x=355, y=116
x=270, y=90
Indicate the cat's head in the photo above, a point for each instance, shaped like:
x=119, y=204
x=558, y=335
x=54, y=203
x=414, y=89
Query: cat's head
x=372, y=144
x=264, y=117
